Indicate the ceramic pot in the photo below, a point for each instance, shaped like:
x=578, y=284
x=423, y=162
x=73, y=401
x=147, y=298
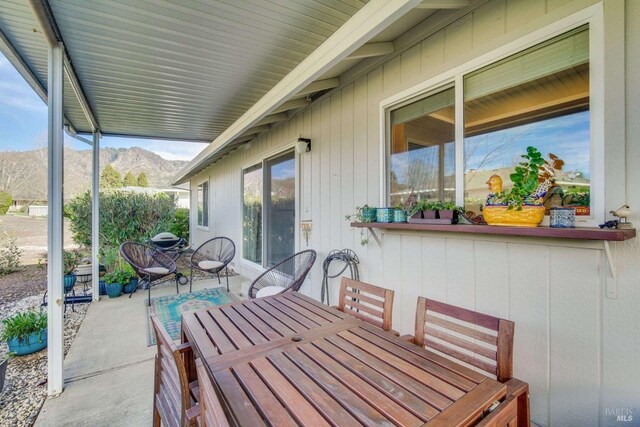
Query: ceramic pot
x=369, y=214
x=69, y=282
x=131, y=286
x=399, y=215
x=384, y=215
x=528, y=216
x=32, y=343
x=114, y=290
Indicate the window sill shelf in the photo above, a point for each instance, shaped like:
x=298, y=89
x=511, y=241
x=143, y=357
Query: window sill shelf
x=559, y=233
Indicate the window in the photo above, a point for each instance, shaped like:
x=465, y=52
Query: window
x=203, y=204
x=538, y=97
x=423, y=149
x=269, y=205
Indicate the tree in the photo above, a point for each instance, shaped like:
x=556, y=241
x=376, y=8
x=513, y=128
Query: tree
x=110, y=178
x=5, y=202
x=142, y=180
x=130, y=180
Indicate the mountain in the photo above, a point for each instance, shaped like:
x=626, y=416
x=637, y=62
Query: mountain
x=24, y=173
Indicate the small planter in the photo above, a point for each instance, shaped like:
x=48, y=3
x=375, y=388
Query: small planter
x=69, y=282
x=34, y=342
x=432, y=217
x=399, y=215
x=131, y=286
x=114, y=290
x=3, y=372
x=449, y=215
x=369, y=214
x=384, y=215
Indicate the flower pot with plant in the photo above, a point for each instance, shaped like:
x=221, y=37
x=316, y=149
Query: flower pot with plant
x=70, y=263
x=131, y=283
x=522, y=205
x=114, y=282
x=399, y=214
x=449, y=211
x=25, y=332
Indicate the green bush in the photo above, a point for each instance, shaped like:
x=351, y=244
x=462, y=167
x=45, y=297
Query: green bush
x=123, y=217
x=180, y=223
x=23, y=324
x=5, y=202
x=9, y=254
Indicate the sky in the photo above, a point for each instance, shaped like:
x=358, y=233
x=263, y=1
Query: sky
x=23, y=123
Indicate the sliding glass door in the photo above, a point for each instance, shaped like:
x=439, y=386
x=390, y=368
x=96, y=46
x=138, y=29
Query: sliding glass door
x=280, y=207
x=269, y=210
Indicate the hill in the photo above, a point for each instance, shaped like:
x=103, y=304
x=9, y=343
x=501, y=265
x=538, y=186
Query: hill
x=24, y=173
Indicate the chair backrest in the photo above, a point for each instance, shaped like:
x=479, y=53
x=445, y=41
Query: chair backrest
x=172, y=398
x=211, y=412
x=480, y=340
x=288, y=273
x=220, y=249
x=142, y=256
x=367, y=302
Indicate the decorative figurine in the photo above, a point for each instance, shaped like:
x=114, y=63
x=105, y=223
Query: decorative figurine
x=623, y=212
x=610, y=224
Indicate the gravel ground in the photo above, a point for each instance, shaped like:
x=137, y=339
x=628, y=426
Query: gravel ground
x=25, y=386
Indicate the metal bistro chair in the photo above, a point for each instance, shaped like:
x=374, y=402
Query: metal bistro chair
x=287, y=275
x=213, y=256
x=149, y=264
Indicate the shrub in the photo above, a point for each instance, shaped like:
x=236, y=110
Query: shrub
x=180, y=223
x=110, y=178
x=9, y=254
x=5, y=202
x=22, y=325
x=123, y=217
x=142, y=180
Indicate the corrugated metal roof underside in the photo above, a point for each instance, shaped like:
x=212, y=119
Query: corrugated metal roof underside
x=18, y=24
x=162, y=69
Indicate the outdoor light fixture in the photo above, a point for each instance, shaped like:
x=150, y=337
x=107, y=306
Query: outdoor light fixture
x=303, y=145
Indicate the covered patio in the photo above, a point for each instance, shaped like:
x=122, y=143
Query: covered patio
x=326, y=93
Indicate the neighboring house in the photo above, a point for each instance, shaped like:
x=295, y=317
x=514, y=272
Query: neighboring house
x=508, y=71
x=182, y=196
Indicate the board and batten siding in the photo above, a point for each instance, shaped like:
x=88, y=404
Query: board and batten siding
x=578, y=350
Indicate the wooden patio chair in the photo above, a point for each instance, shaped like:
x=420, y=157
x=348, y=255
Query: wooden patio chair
x=460, y=339
x=173, y=394
x=287, y=275
x=367, y=302
x=149, y=264
x=211, y=412
x=212, y=257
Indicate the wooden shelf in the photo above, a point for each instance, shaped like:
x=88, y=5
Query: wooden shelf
x=559, y=233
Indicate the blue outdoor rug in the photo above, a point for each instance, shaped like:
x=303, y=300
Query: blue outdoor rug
x=169, y=308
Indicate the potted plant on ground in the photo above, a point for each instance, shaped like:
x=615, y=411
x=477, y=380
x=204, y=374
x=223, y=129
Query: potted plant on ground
x=130, y=285
x=25, y=332
x=522, y=205
x=114, y=282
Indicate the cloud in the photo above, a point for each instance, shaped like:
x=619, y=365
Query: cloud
x=14, y=92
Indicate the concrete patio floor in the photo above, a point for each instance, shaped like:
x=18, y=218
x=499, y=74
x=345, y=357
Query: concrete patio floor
x=109, y=368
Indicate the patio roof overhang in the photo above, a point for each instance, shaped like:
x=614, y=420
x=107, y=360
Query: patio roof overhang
x=217, y=72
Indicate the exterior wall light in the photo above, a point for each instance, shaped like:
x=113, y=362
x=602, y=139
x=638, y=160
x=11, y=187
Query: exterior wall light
x=303, y=145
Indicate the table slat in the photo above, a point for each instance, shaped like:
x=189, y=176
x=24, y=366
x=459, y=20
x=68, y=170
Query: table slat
x=190, y=325
x=303, y=320
x=279, y=325
x=237, y=400
x=287, y=320
x=265, y=329
x=320, y=306
x=247, y=329
x=215, y=333
x=231, y=331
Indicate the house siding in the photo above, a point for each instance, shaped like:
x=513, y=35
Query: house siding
x=577, y=349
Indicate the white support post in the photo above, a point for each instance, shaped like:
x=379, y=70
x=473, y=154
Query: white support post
x=55, y=295
x=95, y=218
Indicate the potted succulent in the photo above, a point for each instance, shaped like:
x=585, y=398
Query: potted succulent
x=114, y=282
x=522, y=205
x=25, y=332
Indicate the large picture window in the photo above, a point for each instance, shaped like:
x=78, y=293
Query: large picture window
x=269, y=210
x=538, y=97
x=203, y=204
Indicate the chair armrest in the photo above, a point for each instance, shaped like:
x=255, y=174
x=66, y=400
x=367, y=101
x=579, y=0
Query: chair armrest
x=515, y=387
x=409, y=338
x=192, y=415
x=184, y=348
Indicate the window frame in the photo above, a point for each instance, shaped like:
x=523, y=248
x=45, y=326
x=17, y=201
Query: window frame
x=592, y=16
x=262, y=160
x=202, y=183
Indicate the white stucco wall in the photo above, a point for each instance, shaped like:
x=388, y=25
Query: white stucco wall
x=578, y=349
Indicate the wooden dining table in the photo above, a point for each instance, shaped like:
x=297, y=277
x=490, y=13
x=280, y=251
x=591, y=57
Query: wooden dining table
x=290, y=360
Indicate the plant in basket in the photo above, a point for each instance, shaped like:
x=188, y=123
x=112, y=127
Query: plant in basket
x=523, y=204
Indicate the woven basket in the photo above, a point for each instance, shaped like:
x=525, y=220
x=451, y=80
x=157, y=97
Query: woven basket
x=529, y=216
